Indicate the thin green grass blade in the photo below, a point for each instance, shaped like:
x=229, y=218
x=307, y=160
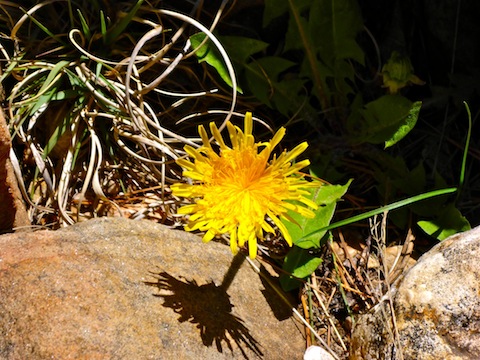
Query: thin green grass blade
x=382, y=209
x=103, y=26
x=44, y=28
x=7, y=72
x=70, y=14
x=98, y=69
x=85, y=27
x=465, y=150
x=41, y=101
x=118, y=28
x=53, y=73
x=57, y=134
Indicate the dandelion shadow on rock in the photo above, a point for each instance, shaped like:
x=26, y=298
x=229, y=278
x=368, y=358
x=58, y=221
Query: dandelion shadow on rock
x=280, y=309
x=209, y=308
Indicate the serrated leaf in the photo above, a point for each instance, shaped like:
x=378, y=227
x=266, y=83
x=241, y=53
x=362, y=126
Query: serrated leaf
x=300, y=264
x=326, y=196
x=334, y=25
x=240, y=48
x=276, y=8
x=263, y=81
x=450, y=222
x=387, y=119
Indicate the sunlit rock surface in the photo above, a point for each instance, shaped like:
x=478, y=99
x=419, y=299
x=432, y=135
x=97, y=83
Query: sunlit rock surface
x=123, y=289
x=437, y=308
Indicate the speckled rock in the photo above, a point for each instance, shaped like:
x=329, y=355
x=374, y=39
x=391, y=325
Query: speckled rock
x=437, y=308
x=123, y=289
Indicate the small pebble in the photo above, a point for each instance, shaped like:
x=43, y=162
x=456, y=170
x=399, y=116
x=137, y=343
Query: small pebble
x=317, y=353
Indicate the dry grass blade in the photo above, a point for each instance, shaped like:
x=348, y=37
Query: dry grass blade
x=379, y=234
x=294, y=310
x=94, y=102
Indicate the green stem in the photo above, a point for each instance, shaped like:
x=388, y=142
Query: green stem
x=381, y=210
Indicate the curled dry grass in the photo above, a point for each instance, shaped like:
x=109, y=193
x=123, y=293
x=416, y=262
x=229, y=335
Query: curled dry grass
x=101, y=100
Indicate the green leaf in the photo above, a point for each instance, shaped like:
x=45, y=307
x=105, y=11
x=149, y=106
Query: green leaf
x=450, y=222
x=52, y=75
x=85, y=27
x=300, y=264
x=409, y=124
x=334, y=25
x=120, y=27
x=263, y=79
x=326, y=196
x=240, y=48
x=387, y=119
x=381, y=210
x=209, y=53
x=276, y=8
x=298, y=36
x=103, y=27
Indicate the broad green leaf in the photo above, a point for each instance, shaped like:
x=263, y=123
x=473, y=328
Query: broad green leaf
x=409, y=124
x=240, y=48
x=299, y=37
x=450, y=222
x=65, y=94
x=334, y=25
x=433, y=206
x=209, y=53
x=387, y=119
x=263, y=79
x=276, y=8
x=300, y=264
x=394, y=176
x=327, y=36
x=61, y=128
x=326, y=196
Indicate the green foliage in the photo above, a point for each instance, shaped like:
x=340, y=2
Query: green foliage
x=326, y=37
x=265, y=80
x=314, y=69
x=324, y=31
x=449, y=222
x=117, y=29
x=299, y=262
x=326, y=197
x=398, y=73
x=240, y=49
x=323, y=35
x=393, y=177
x=387, y=119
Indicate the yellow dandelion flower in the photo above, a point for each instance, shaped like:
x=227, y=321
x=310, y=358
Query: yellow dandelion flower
x=237, y=189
